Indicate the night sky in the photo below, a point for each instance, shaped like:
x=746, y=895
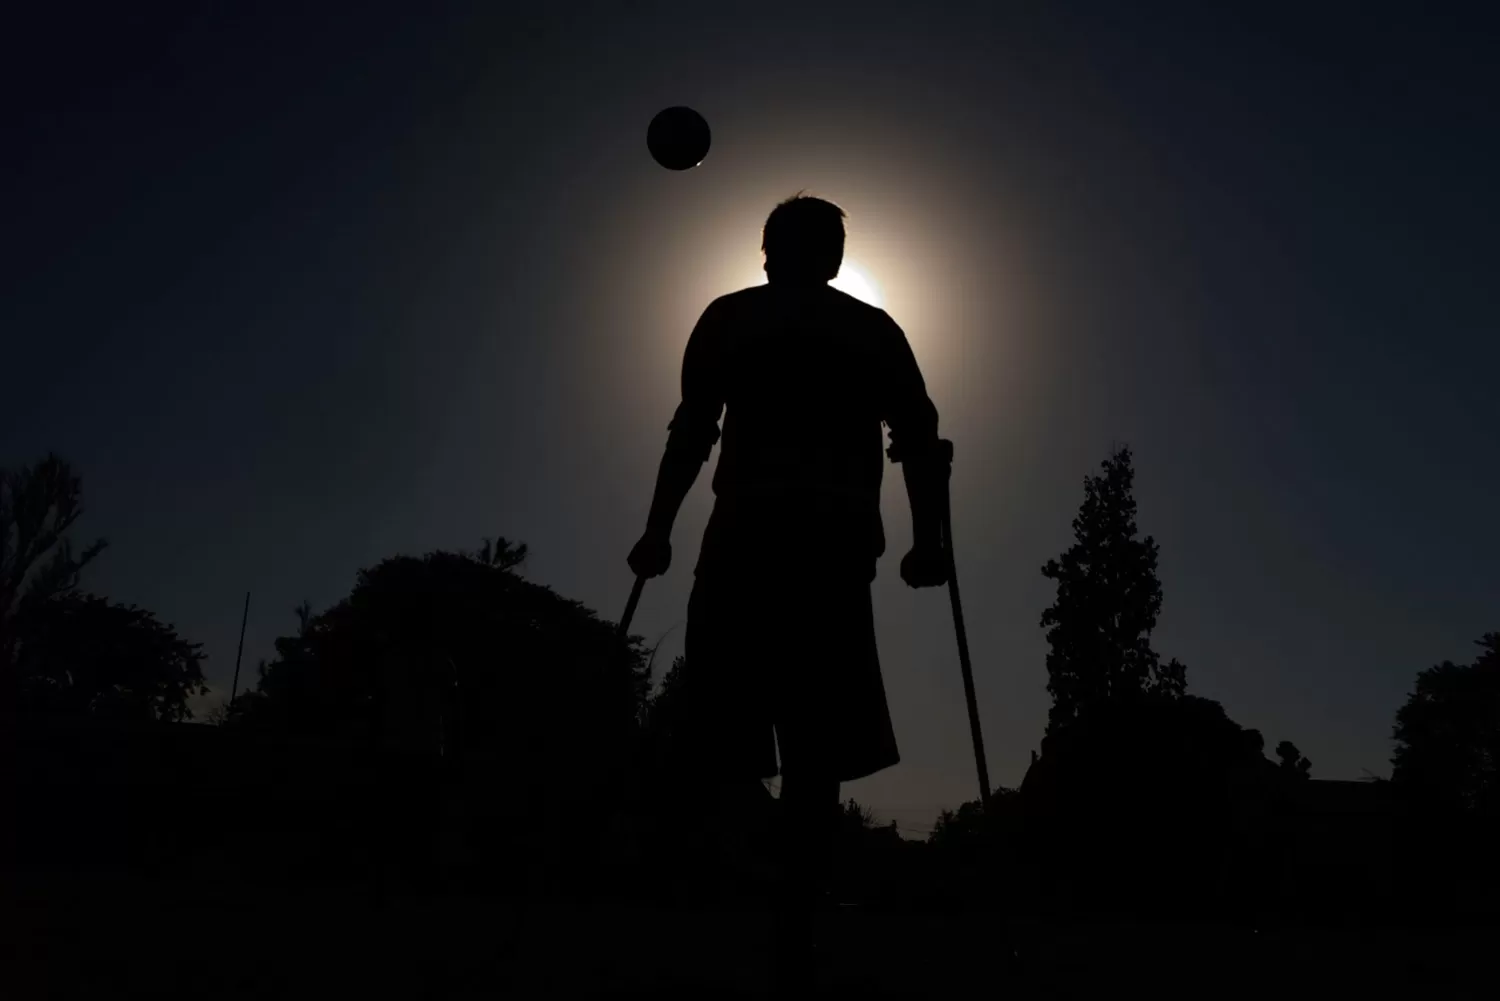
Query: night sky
x=298, y=290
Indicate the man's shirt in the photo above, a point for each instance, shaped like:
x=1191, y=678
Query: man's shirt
x=803, y=377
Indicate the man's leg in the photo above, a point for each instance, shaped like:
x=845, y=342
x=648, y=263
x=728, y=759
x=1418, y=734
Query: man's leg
x=708, y=835
x=809, y=821
x=722, y=740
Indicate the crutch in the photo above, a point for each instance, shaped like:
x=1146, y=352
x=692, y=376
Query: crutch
x=635, y=599
x=945, y=453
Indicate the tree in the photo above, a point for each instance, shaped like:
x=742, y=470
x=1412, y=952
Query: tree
x=1108, y=599
x=866, y=853
x=1142, y=802
x=972, y=852
x=454, y=652
x=38, y=505
x=855, y=819
x=1447, y=736
x=519, y=707
x=660, y=709
x=1293, y=764
x=971, y=826
x=499, y=552
x=81, y=654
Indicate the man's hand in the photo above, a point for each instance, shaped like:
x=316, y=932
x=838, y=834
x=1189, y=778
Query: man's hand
x=925, y=566
x=651, y=556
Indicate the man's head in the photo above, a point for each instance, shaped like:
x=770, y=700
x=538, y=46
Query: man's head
x=804, y=240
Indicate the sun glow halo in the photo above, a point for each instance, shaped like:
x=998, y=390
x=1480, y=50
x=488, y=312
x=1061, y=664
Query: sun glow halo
x=854, y=280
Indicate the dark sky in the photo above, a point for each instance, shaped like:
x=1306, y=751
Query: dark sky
x=299, y=289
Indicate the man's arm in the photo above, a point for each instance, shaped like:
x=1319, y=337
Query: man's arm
x=913, y=423
x=923, y=493
x=674, y=478
x=691, y=437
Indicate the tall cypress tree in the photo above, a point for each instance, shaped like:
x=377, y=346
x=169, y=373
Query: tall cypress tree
x=1108, y=599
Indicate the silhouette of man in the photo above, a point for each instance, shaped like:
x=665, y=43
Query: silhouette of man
x=780, y=645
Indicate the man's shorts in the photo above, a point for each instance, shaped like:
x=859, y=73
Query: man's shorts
x=782, y=665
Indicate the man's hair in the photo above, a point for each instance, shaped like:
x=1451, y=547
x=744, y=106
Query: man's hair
x=804, y=239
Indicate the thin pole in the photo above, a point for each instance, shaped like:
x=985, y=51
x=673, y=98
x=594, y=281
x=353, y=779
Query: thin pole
x=635, y=599
x=963, y=636
x=244, y=618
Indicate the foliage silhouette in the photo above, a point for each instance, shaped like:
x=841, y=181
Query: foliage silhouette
x=1140, y=800
x=1447, y=735
x=449, y=653
x=1108, y=599
x=72, y=653
x=1293, y=764
x=1141, y=792
x=663, y=704
x=971, y=828
x=81, y=654
x=1446, y=780
x=520, y=706
x=38, y=506
x=855, y=819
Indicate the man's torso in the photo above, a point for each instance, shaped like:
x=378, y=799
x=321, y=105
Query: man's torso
x=801, y=455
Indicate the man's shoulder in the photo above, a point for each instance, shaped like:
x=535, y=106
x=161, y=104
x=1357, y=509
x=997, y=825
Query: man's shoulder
x=728, y=310
x=745, y=298
x=756, y=298
x=857, y=309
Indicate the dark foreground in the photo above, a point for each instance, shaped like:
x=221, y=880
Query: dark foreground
x=72, y=937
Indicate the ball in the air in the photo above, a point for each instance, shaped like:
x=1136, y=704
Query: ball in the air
x=678, y=138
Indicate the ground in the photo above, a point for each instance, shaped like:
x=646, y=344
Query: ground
x=99, y=937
